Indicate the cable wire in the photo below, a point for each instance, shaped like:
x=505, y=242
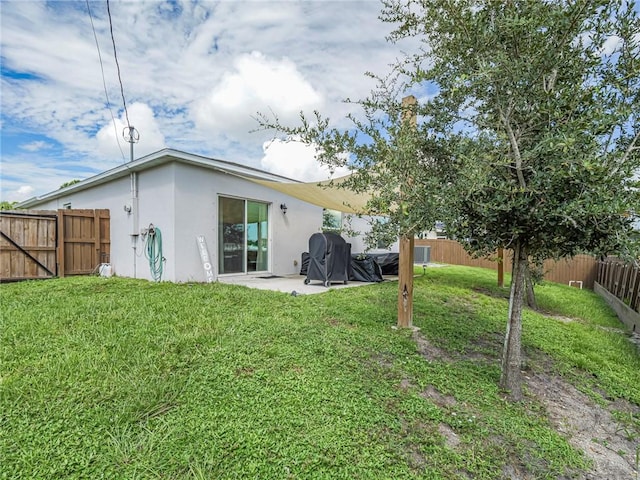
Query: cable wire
x=115, y=56
x=104, y=83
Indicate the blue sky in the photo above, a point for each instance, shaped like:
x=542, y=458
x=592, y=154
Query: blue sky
x=194, y=74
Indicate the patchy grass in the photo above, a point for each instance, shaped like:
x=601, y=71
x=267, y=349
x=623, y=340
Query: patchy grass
x=119, y=378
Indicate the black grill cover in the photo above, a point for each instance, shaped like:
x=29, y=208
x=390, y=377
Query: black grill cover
x=304, y=263
x=388, y=262
x=364, y=268
x=329, y=258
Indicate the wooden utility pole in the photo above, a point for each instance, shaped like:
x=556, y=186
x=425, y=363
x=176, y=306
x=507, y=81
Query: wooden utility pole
x=405, y=265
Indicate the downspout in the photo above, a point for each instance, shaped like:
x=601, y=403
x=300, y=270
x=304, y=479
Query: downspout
x=135, y=231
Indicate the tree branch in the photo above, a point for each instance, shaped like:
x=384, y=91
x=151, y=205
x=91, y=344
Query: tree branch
x=515, y=148
x=632, y=146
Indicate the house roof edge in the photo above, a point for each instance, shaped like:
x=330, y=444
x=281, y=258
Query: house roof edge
x=159, y=157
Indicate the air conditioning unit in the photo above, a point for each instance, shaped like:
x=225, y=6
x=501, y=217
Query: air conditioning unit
x=421, y=254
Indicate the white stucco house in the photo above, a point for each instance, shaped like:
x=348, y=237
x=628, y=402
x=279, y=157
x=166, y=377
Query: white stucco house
x=249, y=226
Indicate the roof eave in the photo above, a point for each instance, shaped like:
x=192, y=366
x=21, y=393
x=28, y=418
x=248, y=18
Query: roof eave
x=154, y=159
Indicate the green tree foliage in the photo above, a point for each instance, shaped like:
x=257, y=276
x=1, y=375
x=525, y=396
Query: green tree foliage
x=331, y=222
x=538, y=106
x=386, y=154
x=70, y=182
x=5, y=205
x=527, y=139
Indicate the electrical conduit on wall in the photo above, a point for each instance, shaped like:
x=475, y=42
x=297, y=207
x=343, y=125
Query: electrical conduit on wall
x=133, y=210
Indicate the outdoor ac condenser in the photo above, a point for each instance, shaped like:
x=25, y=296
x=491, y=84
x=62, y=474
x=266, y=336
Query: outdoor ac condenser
x=421, y=254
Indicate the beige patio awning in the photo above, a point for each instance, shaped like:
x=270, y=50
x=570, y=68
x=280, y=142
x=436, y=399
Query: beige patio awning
x=323, y=194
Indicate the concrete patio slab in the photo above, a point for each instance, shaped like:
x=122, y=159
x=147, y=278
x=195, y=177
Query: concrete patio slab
x=289, y=284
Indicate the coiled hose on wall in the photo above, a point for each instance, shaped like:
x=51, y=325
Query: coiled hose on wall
x=153, y=252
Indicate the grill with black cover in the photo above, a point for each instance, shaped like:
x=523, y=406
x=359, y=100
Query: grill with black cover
x=329, y=258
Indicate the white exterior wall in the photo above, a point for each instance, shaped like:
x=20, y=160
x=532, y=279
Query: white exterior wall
x=196, y=200
x=155, y=205
x=362, y=225
x=156, y=202
x=182, y=201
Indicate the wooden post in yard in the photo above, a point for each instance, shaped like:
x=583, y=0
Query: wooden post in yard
x=500, y=267
x=405, y=282
x=405, y=264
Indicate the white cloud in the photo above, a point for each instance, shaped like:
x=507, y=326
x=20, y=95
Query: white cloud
x=17, y=194
x=296, y=160
x=36, y=146
x=25, y=191
x=256, y=84
x=189, y=67
x=610, y=45
x=142, y=118
x=22, y=178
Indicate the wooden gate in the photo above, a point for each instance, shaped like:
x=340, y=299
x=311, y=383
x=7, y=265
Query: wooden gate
x=84, y=241
x=44, y=244
x=28, y=244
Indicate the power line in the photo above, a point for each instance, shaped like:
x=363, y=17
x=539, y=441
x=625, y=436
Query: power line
x=115, y=56
x=104, y=83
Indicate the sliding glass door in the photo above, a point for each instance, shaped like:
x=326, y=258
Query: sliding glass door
x=257, y=237
x=243, y=236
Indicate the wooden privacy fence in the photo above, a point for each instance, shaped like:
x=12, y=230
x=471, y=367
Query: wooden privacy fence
x=622, y=280
x=48, y=243
x=28, y=243
x=581, y=268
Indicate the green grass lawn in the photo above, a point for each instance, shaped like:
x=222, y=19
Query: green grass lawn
x=125, y=379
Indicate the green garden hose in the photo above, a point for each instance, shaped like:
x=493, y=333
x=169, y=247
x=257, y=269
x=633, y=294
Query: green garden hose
x=153, y=252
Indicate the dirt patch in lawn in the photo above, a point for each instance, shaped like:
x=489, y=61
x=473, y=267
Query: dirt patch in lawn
x=502, y=294
x=427, y=349
x=588, y=426
x=613, y=450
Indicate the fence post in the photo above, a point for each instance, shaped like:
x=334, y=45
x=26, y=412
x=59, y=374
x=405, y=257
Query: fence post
x=609, y=279
x=633, y=287
x=635, y=302
x=60, y=242
x=601, y=272
x=625, y=281
x=618, y=282
x=96, y=235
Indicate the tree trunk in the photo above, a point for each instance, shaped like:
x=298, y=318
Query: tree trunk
x=501, y=267
x=531, y=295
x=511, y=376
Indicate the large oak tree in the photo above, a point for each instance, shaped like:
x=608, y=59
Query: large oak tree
x=538, y=105
x=527, y=137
